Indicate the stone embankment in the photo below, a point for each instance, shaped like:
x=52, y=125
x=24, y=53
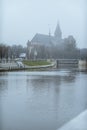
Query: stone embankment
x=12, y=65
x=82, y=64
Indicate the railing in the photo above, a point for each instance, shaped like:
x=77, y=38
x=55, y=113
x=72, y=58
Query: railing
x=67, y=61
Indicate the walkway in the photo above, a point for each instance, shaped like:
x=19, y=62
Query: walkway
x=78, y=123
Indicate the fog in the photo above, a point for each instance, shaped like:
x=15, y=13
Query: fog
x=22, y=19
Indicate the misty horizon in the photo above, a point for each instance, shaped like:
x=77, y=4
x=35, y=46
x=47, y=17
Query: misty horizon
x=21, y=20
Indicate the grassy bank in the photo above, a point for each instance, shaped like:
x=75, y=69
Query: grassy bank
x=36, y=63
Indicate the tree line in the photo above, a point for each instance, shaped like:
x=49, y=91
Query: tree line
x=11, y=52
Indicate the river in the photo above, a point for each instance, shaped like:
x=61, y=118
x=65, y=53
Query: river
x=41, y=100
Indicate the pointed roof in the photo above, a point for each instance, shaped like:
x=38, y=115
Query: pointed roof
x=28, y=43
x=58, y=33
x=42, y=39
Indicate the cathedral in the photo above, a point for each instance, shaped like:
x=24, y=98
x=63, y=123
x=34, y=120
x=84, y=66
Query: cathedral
x=51, y=46
x=47, y=40
x=40, y=41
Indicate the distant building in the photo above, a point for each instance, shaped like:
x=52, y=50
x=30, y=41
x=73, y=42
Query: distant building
x=40, y=40
x=22, y=55
x=47, y=40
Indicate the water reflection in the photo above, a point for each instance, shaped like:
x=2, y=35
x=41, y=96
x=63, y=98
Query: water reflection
x=3, y=82
x=41, y=100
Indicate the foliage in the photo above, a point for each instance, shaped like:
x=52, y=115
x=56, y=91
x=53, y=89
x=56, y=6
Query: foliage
x=11, y=51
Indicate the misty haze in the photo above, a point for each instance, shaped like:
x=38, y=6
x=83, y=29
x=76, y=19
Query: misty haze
x=43, y=65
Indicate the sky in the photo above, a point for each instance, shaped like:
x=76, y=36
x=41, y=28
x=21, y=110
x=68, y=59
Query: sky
x=22, y=19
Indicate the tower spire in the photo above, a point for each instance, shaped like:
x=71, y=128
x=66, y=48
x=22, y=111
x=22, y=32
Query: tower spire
x=49, y=30
x=58, y=33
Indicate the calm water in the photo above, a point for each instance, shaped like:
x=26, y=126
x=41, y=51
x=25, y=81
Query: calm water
x=41, y=100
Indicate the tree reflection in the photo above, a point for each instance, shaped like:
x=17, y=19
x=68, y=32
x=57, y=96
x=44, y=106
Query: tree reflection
x=3, y=82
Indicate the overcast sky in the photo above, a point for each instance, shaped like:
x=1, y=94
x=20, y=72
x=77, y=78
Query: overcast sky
x=22, y=19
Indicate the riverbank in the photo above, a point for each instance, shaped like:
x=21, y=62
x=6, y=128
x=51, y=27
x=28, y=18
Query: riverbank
x=26, y=65
x=39, y=65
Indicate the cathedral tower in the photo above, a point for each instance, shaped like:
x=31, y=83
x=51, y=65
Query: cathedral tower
x=58, y=33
